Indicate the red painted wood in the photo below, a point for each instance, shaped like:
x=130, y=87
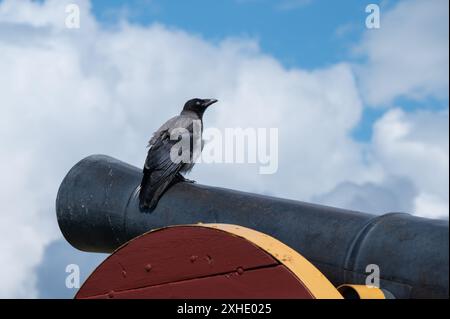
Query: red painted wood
x=172, y=255
x=264, y=283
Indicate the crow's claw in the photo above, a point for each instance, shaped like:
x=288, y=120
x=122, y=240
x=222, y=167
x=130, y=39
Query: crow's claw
x=181, y=178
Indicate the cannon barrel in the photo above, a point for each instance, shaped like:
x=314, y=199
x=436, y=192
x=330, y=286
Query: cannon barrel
x=97, y=210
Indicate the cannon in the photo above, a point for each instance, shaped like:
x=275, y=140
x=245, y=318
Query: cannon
x=97, y=209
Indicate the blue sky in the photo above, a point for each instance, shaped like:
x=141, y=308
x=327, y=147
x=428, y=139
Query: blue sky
x=307, y=34
x=303, y=34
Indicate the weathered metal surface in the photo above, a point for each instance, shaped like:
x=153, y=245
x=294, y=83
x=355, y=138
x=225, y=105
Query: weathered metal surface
x=97, y=208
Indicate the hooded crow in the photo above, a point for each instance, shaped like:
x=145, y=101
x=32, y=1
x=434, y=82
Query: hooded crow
x=160, y=170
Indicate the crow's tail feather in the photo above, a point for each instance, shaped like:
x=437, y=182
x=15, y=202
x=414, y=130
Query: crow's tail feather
x=150, y=193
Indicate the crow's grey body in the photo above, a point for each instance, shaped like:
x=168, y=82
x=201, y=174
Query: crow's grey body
x=160, y=171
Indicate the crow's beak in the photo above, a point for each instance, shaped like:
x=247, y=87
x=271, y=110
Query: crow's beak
x=208, y=102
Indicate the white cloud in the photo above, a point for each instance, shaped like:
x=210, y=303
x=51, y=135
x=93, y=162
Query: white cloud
x=394, y=194
x=416, y=145
x=307, y=107
x=411, y=152
x=67, y=94
x=408, y=55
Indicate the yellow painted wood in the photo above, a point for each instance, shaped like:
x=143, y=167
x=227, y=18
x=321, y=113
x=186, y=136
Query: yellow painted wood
x=363, y=291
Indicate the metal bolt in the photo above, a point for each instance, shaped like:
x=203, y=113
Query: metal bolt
x=193, y=258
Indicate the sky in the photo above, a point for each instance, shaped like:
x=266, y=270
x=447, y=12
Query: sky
x=362, y=113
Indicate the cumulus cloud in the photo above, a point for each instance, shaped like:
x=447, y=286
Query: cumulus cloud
x=69, y=93
x=408, y=55
x=416, y=145
x=411, y=151
x=394, y=194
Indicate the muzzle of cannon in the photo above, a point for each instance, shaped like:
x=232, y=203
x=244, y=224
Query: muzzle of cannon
x=98, y=211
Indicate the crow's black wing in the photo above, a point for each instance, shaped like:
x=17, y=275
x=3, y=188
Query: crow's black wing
x=159, y=169
x=159, y=172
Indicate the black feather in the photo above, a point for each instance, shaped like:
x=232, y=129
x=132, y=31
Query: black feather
x=159, y=172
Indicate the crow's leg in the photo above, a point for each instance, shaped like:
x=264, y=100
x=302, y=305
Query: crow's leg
x=180, y=178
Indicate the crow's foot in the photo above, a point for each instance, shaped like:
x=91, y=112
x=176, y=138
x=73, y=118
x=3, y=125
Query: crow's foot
x=181, y=178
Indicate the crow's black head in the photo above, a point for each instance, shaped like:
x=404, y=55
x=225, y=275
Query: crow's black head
x=198, y=106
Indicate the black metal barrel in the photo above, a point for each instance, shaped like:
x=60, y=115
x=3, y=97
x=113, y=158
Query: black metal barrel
x=97, y=210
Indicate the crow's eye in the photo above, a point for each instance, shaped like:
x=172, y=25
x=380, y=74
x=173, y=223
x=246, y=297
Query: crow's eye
x=198, y=103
